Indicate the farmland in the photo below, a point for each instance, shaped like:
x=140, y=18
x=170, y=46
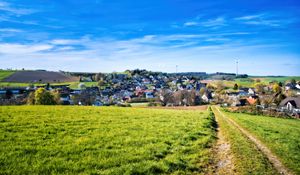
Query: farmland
x=106, y=140
x=39, y=76
x=280, y=135
x=279, y=79
x=5, y=73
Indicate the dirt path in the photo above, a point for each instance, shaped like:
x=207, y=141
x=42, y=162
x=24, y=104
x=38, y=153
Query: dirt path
x=266, y=151
x=224, y=164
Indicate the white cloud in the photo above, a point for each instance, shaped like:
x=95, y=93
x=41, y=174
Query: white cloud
x=6, y=7
x=249, y=17
x=147, y=52
x=19, y=49
x=265, y=19
x=220, y=21
x=216, y=22
x=191, y=23
x=10, y=30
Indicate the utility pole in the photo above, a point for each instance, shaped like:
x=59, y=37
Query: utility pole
x=237, y=67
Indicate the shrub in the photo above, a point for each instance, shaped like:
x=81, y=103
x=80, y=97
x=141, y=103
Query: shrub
x=123, y=105
x=44, y=97
x=154, y=104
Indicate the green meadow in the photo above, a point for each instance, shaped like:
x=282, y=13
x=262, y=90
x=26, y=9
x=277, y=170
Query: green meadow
x=104, y=140
x=5, y=73
x=247, y=158
x=280, y=135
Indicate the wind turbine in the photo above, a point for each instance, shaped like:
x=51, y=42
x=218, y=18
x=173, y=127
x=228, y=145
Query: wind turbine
x=237, y=66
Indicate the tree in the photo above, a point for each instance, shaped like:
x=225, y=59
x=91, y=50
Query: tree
x=166, y=96
x=101, y=83
x=293, y=81
x=210, y=86
x=276, y=88
x=202, y=91
x=31, y=99
x=8, y=94
x=291, y=93
x=220, y=86
x=44, y=97
x=259, y=87
x=81, y=86
x=235, y=87
x=56, y=97
x=99, y=76
x=84, y=98
x=267, y=100
x=279, y=98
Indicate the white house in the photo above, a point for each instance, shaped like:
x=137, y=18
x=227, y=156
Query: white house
x=291, y=104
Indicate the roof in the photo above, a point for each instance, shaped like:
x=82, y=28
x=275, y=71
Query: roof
x=295, y=101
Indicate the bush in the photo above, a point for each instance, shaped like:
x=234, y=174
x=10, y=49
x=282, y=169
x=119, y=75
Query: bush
x=44, y=97
x=31, y=99
x=154, y=104
x=123, y=105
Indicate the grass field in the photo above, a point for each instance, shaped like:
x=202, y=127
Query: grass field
x=279, y=79
x=282, y=136
x=73, y=85
x=250, y=82
x=106, y=140
x=5, y=73
x=247, y=158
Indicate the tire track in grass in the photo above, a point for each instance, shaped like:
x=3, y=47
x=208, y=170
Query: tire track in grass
x=224, y=164
x=265, y=150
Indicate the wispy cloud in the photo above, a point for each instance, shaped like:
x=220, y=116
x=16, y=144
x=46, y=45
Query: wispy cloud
x=210, y=23
x=155, y=52
x=249, y=17
x=265, y=19
x=7, y=7
x=10, y=30
x=7, y=48
x=191, y=23
x=220, y=21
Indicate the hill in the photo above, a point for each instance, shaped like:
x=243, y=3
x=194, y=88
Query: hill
x=39, y=77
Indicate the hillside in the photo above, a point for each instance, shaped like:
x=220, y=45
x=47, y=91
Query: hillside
x=39, y=77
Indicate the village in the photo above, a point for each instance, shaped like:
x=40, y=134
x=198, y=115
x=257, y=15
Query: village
x=162, y=89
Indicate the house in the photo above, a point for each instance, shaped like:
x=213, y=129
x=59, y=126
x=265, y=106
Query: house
x=289, y=86
x=200, y=85
x=149, y=94
x=189, y=87
x=290, y=104
x=251, y=91
x=243, y=93
x=252, y=99
x=246, y=91
x=207, y=97
x=98, y=103
x=65, y=99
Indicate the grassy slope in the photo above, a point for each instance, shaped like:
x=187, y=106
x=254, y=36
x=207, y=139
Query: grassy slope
x=279, y=79
x=247, y=158
x=106, y=140
x=282, y=136
x=5, y=73
x=73, y=85
x=246, y=82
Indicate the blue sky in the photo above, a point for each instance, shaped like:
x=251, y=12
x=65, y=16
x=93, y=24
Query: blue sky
x=115, y=35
